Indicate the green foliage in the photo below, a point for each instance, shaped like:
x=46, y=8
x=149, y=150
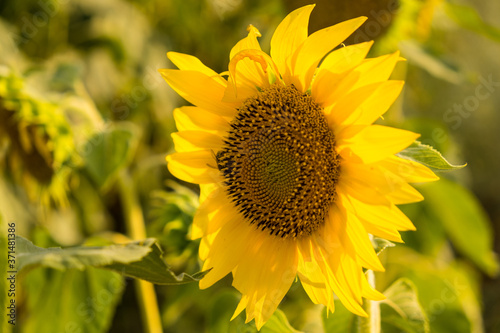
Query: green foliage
x=141, y=260
x=109, y=151
x=171, y=214
x=464, y=220
x=447, y=290
x=401, y=311
x=71, y=300
x=428, y=156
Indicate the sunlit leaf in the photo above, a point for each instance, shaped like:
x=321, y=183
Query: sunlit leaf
x=401, y=309
x=29, y=254
x=468, y=18
x=465, y=222
x=84, y=301
x=142, y=260
x=428, y=156
x=341, y=321
x=152, y=268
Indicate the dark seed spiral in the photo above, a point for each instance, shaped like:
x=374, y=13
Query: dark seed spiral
x=279, y=162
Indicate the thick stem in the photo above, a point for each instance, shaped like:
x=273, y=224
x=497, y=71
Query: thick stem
x=136, y=229
x=370, y=324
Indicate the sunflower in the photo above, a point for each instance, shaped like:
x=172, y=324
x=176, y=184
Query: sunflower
x=293, y=173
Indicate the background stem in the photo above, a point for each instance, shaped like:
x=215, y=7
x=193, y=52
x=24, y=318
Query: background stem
x=136, y=229
x=370, y=324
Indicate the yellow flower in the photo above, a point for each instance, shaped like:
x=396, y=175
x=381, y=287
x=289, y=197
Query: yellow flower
x=293, y=174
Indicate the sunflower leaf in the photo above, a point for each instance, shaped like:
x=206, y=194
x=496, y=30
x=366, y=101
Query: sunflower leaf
x=380, y=244
x=85, y=301
x=401, y=311
x=142, y=260
x=428, y=156
x=464, y=220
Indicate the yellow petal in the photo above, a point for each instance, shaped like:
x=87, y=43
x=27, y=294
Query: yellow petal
x=228, y=248
x=339, y=265
x=358, y=236
x=404, y=195
x=334, y=67
x=316, y=46
x=375, y=143
x=287, y=37
x=369, y=292
x=195, y=118
x=187, y=141
x=366, y=104
x=386, y=183
x=381, y=215
x=249, y=72
x=265, y=274
x=410, y=171
x=191, y=63
x=370, y=71
x=200, y=90
x=248, y=43
x=197, y=167
x=212, y=214
x=314, y=282
x=361, y=191
x=205, y=190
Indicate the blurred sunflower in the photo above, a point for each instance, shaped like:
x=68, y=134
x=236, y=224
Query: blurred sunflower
x=294, y=176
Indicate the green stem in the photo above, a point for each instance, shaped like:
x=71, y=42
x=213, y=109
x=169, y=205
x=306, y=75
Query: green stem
x=370, y=324
x=136, y=229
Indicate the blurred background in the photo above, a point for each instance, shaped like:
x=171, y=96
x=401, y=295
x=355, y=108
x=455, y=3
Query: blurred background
x=85, y=123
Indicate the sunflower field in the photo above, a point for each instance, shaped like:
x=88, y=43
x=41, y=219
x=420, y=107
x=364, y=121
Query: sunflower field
x=249, y=166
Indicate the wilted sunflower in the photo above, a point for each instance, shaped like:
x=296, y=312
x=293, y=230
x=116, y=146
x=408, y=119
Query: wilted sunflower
x=293, y=174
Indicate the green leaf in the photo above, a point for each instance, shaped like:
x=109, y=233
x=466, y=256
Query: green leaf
x=142, y=260
x=341, y=321
x=449, y=292
x=464, y=220
x=380, y=244
x=79, y=257
x=468, y=18
x=84, y=301
x=152, y=268
x=107, y=152
x=428, y=156
x=402, y=310
x=278, y=323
